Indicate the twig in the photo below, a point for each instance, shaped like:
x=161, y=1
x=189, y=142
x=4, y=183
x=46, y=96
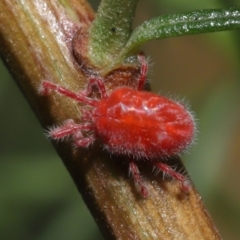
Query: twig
x=35, y=44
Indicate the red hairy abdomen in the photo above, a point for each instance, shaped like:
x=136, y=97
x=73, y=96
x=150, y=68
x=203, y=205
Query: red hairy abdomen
x=142, y=124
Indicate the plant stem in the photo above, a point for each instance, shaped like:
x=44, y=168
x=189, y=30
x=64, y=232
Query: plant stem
x=35, y=44
x=110, y=30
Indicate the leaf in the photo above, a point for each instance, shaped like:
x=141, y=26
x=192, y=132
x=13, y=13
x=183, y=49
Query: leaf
x=110, y=30
x=195, y=22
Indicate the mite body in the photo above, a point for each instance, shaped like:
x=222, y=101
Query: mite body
x=141, y=125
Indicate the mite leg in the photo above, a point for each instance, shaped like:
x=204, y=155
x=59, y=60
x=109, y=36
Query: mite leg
x=98, y=82
x=143, y=71
x=87, y=115
x=68, y=128
x=81, y=141
x=174, y=174
x=134, y=171
x=47, y=86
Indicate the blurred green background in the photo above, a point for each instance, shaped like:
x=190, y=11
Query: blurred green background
x=38, y=199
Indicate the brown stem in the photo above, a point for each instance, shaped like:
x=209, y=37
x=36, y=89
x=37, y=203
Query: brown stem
x=35, y=44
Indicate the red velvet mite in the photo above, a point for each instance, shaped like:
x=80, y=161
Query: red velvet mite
x=132, y=122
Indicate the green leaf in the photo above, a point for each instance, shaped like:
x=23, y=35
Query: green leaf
x=110, y=30
x=195, y=22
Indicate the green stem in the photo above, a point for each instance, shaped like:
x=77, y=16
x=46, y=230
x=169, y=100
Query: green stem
x=110, y=30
